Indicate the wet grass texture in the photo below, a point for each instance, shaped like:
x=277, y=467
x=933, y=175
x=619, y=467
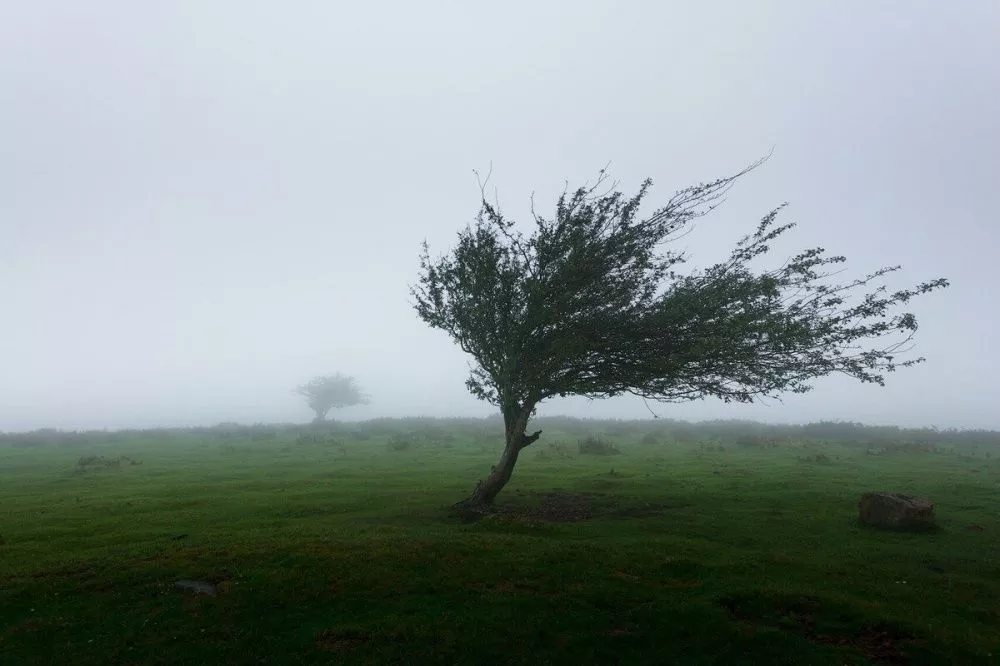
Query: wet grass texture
x=315, y=550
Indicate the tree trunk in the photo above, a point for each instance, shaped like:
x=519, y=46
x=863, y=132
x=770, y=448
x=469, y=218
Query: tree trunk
x=515, y=423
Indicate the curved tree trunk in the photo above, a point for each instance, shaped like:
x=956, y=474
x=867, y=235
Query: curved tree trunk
x=515, y=423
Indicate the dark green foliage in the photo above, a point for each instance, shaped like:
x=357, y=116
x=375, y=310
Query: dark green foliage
x=590, y=303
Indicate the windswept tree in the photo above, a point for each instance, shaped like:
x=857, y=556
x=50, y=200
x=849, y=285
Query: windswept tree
x=591, y=304
x=331, y=391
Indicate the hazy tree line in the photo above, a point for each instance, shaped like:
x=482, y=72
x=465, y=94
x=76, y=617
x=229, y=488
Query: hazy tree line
x=670, y=430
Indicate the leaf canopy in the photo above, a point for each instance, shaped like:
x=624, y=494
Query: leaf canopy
x=327, y=392
x=591, y=303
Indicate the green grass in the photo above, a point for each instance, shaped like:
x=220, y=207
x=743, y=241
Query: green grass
x=328, y=555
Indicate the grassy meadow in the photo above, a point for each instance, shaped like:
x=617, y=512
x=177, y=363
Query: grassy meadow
x=671, y=544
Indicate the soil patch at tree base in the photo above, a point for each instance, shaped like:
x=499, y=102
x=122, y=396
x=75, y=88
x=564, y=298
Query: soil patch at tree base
x=560, y=506
x=823, y=622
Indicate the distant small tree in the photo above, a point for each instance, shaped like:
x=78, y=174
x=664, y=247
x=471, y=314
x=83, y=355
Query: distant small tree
x=331, y=391
x=590, y=304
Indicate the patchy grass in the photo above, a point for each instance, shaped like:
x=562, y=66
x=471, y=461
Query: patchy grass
x=345, y=550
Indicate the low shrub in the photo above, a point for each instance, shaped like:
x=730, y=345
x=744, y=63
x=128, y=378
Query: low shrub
x=86, y=463
x=559, y=449
x=595, y=446
x=711, y=447
x=399, y=443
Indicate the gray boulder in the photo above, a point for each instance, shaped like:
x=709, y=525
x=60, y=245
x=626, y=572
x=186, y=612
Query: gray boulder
x=896, y=511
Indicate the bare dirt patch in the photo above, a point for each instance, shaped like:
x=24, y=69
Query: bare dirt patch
x=569, y=507
x=340, y=640
x=648, y=509
x=810, y=617
x=879, y=643
x=562, y=506
x=507, y=587
x=547, y=507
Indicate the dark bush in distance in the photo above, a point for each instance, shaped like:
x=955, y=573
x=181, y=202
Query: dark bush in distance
x=597, y=447
x=86, y=463
x=757, y=441
x=399, y=443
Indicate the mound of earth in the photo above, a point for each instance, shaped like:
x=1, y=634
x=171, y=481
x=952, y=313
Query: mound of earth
x=560, y=506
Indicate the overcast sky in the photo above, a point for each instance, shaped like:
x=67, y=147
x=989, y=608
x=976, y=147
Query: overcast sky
x=203, y=204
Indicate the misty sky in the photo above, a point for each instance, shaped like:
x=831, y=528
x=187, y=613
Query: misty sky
x=203, y=204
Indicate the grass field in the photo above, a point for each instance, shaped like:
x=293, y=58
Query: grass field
x=339, y=547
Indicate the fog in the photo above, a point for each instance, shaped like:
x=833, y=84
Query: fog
x=203, y=205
